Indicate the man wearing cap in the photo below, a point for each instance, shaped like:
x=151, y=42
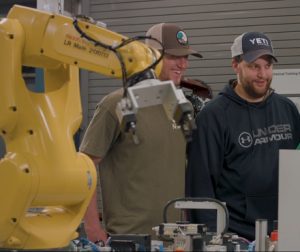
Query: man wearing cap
x=137, y=180
x=233, y=156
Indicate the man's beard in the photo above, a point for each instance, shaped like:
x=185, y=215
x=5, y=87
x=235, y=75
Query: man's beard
x=253, y=92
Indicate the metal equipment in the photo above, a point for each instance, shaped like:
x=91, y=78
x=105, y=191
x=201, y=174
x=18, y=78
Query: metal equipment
x=185, y=236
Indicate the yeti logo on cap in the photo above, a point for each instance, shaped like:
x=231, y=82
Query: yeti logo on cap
x=182, y=38
x=259, y=41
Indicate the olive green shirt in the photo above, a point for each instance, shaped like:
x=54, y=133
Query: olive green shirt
x=137, y=180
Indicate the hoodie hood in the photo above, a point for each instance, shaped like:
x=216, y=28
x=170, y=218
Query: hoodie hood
x=229, y=92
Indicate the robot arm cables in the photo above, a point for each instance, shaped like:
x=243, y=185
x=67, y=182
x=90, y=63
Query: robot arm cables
x=55, y=39
x=115, y=49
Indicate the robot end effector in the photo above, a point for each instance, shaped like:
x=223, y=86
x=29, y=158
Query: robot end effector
x=151, y=92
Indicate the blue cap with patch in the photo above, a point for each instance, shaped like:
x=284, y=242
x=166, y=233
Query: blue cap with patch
x=252, y=45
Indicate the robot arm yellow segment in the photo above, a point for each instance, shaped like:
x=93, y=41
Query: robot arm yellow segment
x=53, y=39
x=10, y=76
x=41, y=169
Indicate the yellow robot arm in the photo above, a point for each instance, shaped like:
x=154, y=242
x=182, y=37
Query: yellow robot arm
x=45, y=185
x=51, y=40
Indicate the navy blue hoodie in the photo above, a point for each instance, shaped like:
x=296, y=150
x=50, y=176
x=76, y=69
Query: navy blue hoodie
x=234, y=157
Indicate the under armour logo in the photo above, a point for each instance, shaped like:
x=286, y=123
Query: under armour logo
x=245, y=139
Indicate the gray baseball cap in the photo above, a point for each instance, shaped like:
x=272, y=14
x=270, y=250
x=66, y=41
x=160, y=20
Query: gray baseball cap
x=173, y=38
x=252, y=45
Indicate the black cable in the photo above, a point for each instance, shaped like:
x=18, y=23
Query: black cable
x=99, y=43
x=115, y=50
x=151, y=66
x=199, y=200
x=154, y=64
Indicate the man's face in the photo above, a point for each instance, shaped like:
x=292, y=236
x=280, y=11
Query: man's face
x=173, y=68
x=254, y=79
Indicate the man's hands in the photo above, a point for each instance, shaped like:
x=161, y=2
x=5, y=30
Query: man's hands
x=92, y=225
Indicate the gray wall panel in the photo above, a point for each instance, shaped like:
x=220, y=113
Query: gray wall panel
x=158, y=8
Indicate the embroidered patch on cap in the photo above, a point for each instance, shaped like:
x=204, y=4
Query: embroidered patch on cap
x=172, y=37
x=182, y=38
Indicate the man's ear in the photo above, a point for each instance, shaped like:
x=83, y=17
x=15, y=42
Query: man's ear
x=235, y=65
